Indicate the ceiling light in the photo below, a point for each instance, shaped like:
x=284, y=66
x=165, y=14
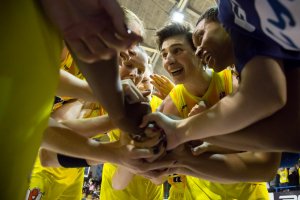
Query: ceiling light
x=177, y=17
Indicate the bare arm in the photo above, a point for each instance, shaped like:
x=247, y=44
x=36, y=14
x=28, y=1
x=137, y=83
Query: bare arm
x=249, y=104
x=91, y=126
x=72, y=86
x=224, y=168
x=60, y=139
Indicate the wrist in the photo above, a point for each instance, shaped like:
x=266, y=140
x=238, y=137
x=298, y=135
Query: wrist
x=181, y=132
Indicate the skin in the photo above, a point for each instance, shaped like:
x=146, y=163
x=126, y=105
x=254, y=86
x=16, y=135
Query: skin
x=90, y=28
x=257, y=136
x=162, y=84
x=236, y=167
x=239, y=110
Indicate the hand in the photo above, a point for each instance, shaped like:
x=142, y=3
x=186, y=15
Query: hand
x=198, y=108
x=171, y=163
x=132, y=93
x=205, y=147
x=93, y=29
x=162, y=84
x=130, y=122
x=155, y=141
x=169, y=126
x=128, y=156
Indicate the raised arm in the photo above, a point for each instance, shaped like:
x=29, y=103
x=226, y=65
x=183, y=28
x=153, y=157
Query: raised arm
x=259, y=96
x=248, y=105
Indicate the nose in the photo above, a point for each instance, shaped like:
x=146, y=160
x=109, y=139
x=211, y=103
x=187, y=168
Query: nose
x=133, y=74
x=169, y=60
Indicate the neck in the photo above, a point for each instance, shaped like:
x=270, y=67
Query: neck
x=198, y=84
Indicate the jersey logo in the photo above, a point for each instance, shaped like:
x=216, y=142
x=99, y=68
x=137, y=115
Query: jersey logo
x=183, y=107
x=34, y=194
x=177, y=179
x=240, y=17
x=279, y=20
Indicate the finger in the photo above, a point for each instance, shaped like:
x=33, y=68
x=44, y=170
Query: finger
x=98, y=48
x=133, y=95
x=152, y=130
x=149, y=118
x=162, y=152
x=136, y=153
x=165, y=79
x=155, y=139
x=196, y=151
x=156, y=85
x=82, y=51
x=202, y=104
x=117, y=15
x=146, y=93
x=158, y=94
x=112, y=41
x=159, y=164
x=159, y=80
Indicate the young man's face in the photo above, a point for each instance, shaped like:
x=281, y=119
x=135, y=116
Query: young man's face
x=145, y=85
x=132, y=64
x=179, y=59
x=213, y=45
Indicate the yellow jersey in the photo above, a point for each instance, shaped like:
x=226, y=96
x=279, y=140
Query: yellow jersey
x=139, y=187
x=191, y=188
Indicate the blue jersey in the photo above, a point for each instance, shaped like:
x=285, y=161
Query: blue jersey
x=263, y=27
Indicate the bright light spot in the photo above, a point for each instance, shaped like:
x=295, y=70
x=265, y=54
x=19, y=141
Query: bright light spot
x=177, y=17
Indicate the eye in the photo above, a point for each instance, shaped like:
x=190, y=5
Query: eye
x=164, y=55
x=177, y=50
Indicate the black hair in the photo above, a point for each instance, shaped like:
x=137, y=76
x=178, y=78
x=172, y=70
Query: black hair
x=210, y=15
x=174, y=29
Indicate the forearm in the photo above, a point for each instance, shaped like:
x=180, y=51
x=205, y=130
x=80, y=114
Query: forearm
x=248, y=105
x=72, y=86
x=241, y=167
x=121, y=178
x=60, y=139
x=103, y=78
x=91, y=126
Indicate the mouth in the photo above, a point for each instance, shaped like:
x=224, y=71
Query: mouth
x=206, y=58
x=176, y=72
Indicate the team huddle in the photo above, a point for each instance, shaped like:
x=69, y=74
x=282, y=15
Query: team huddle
x=215, y=130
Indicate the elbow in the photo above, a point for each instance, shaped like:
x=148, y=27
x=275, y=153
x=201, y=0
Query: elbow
x=280, y=101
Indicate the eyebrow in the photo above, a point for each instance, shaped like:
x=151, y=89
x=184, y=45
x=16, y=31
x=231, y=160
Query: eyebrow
x=176, y=44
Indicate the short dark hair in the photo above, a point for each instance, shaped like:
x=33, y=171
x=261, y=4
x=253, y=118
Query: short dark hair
x=210, y=15
x=174, y=29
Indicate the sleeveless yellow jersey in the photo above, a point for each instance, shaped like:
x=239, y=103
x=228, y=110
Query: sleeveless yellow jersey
x=220, y=86
x=30, y=51
x=155, y=103
x=65, y=183
x=284, y=174
x=138, y=188
x=191, y=188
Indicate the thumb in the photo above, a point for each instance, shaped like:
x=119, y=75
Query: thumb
x=196, y=151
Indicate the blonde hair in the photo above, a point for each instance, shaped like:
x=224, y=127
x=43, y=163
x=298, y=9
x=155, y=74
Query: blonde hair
x=132, y=19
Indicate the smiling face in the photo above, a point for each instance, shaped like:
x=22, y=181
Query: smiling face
x=213, y=44
x=145, y=85
x=179, y=59
x=132, y=64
